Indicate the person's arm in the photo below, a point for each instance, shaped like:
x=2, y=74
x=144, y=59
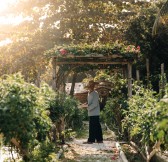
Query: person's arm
x=92, y=101
x=84, y=105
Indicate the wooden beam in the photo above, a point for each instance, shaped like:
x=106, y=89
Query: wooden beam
x=91, y=63
x=129, y=80
x=90, y=56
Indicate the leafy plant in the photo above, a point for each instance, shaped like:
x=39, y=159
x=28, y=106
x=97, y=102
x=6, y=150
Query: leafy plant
x=145, y=121
x=23, y=114
x=90, y=50
x=102, y=75
x=43, y=152
x=67, y=107
x=112, y=114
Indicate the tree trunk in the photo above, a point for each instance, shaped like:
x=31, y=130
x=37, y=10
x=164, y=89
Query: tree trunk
x=73, y=84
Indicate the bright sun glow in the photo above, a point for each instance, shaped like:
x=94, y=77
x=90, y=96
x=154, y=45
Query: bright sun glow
x=4, y=8
x=5, y=3
x=5, y=42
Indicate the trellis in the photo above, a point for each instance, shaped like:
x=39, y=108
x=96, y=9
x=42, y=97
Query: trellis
x=83, y=54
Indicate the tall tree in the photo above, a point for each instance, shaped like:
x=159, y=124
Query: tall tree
x=152, y=47
x=161, y=19
x=52, y=22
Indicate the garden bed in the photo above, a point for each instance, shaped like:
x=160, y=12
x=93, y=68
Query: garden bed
x=133, y=156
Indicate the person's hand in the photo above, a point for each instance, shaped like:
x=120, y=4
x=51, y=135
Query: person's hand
x=84, y=105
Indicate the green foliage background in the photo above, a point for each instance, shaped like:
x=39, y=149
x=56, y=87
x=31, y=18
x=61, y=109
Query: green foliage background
x=146, y=118
x=23, y=112
x=26, y=115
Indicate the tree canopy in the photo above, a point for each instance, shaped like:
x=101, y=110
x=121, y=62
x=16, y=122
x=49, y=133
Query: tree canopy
x=49, y=23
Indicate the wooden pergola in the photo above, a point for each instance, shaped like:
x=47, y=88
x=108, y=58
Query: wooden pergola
x=97, y=59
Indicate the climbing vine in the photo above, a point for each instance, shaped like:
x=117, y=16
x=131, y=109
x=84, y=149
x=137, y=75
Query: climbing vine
x=93, y=50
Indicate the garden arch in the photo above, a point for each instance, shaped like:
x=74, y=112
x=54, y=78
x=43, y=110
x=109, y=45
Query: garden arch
x=95, y=55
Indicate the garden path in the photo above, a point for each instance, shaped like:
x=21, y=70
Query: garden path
x=108, y=151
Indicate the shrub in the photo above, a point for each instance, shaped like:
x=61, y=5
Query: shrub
x=67, y=107
x=23, y=113
x=112, y=114
x=146, y=121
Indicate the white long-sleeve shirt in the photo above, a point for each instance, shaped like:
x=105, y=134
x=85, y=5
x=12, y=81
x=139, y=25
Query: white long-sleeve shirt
x=93, y=104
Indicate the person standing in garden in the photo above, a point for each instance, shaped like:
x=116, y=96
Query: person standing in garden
x=93, y=107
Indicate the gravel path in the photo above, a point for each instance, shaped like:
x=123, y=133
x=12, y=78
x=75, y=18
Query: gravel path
x=108, y=151
x=104, y=152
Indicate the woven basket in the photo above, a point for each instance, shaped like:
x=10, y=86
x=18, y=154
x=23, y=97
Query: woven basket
x=82, y=97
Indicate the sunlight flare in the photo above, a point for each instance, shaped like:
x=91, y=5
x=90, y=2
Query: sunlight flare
x=5, y=16
x=4, y=4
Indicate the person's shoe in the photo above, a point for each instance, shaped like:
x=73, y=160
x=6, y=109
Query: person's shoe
x=99, y=141
x=87, y=142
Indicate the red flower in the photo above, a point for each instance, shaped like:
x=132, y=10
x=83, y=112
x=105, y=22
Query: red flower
x=138, y=48
x=128, y=48
x=63, y=51
x=133, y=49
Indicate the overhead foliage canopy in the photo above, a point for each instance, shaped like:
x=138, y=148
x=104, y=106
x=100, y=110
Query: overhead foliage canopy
x=64, y=21
x=94, y=50
x=49, y=23
x=153, y=47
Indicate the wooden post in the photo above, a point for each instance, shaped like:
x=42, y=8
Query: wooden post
x=137, y=75
x=162, y=69
x=162, y=81
x=125, y=71
x=38, y=80
x=73, y=84
x=147, y=70
x=129, y=80
x=54, y=83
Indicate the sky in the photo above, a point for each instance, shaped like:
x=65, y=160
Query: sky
x=5, y=3
x=4, y=7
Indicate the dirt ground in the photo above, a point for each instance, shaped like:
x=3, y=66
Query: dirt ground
x=79, y=152
x=107, y=151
